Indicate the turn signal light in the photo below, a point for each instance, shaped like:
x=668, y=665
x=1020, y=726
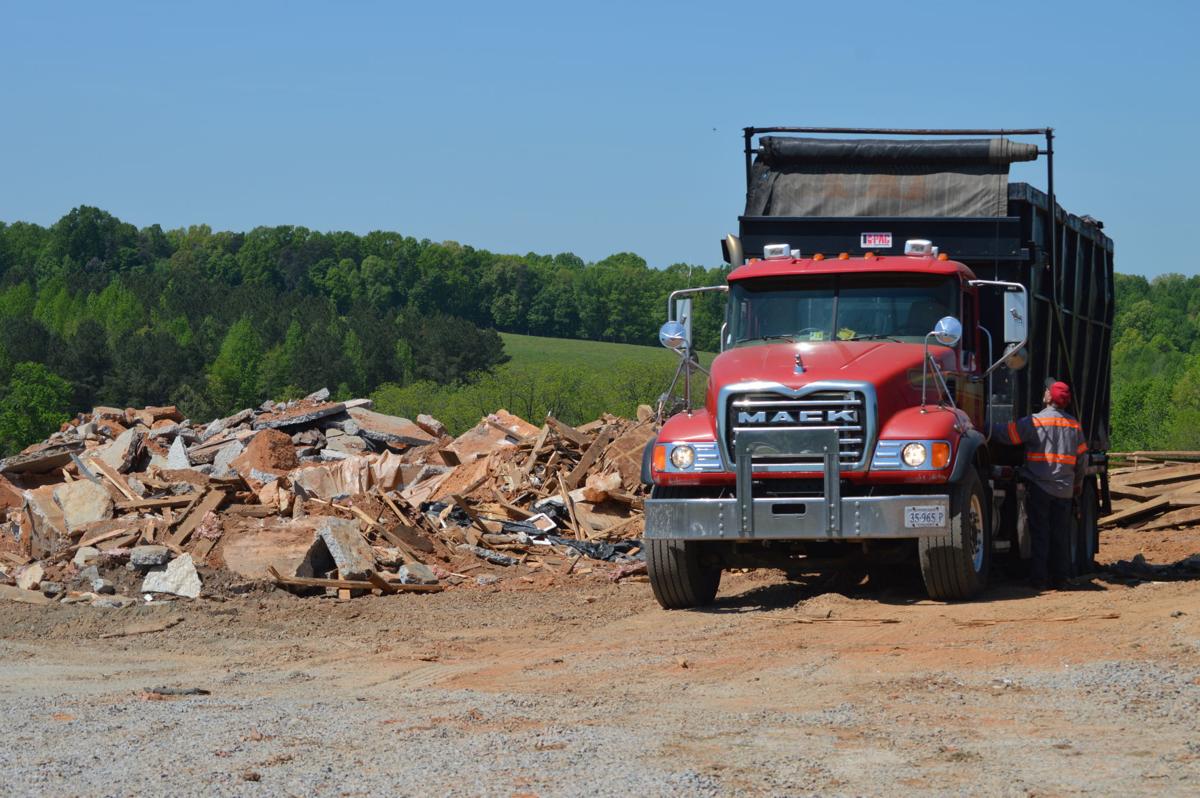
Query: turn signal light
x=660, y=458
x=940, y=456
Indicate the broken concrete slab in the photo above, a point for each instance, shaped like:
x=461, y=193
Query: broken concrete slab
x=149, y=415
x=84, y=555
x=29, y=577
x=122, y=453
x=283, y=544
x=223, y=461
x=318, y=396
x=501, y=428
x=149, y=556
x=177, y=457
x=83, y=502
x=431, y=425
x=415, y=573
x=347, y=444
x=303, y=414
x=178, y=578
x=350, y=551
x=49, y=523
x=42, y=459
x=392, y=430
x=23, y=596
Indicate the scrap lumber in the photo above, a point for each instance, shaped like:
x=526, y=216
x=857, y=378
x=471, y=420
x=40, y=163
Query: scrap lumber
x=115, y=477
x=348, y=584
x=567, y=431
x=1161, y=476
x=589, y=457
x=1180, y=517
x=1137, y=512
x=211, y=501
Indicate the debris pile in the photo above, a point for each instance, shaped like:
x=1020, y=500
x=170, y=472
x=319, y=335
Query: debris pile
x=317, y=496
x=1154, y=490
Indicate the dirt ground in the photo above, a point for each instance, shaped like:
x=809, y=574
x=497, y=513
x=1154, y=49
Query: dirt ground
x=589, y=688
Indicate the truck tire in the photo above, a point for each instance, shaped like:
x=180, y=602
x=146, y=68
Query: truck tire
x=955, y=566
x=679, y=575
x=1086, y=540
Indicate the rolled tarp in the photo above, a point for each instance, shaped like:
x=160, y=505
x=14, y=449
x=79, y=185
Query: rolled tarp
x=780, y=151
x=805, y=177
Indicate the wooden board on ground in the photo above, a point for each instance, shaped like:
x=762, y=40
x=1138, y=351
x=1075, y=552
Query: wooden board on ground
x=349, y=584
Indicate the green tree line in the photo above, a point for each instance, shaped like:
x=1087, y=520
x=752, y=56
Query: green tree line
x=94, y=311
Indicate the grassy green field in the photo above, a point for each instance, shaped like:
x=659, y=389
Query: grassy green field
x=574, y=380
x=530, y=349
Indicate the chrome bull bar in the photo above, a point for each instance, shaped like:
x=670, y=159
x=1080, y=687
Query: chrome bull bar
x=827, y=517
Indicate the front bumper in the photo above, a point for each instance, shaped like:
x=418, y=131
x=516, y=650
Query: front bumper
x=862, y=518
x=829, y=517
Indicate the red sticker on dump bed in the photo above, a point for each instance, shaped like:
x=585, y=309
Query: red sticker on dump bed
x=875, y=240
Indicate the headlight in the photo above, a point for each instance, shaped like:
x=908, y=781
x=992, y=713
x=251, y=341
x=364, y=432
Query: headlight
x=914, y=455
x=683, y=457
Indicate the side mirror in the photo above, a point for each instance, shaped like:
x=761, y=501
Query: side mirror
x=731, y=250
x=947, y=331
x=1016, y=313
x=1016, y=357
x=673, y=335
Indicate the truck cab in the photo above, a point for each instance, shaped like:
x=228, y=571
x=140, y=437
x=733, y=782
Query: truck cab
x=847, y=417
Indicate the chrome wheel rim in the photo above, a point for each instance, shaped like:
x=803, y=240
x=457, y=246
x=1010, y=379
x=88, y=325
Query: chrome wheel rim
x=975, y=512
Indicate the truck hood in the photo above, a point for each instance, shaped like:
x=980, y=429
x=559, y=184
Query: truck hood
x=893, y=368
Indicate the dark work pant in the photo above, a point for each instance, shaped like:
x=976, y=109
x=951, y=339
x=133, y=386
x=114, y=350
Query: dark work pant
x=1050, y=520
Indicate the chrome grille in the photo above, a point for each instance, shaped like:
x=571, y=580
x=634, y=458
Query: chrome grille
x=846, y=411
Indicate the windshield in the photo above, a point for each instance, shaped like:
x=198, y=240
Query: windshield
x=851, y=307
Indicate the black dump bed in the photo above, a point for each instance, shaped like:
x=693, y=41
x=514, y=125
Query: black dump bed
x=853, y=195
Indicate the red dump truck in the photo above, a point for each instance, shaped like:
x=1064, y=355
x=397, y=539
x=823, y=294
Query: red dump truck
x=889, y=300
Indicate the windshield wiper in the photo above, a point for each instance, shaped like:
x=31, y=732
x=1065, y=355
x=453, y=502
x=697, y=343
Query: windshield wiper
x=791, y=338
x=874, y=337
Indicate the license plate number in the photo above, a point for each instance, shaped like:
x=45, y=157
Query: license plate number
x=924, y=516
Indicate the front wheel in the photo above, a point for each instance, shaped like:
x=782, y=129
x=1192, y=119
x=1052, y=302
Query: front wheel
x=955, y=566
x=681, y=575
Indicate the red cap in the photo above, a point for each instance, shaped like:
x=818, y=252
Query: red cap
x=1060, y=394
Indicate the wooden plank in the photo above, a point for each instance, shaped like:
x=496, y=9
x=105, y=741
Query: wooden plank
x=383, y=585
x=1140, y=511
x=567, y=431
x=519, y=439
x=348, y=584
x=512, y=509
x=251, y=510
x=461, y=503
x=391, y=537
x=575, y=528
x=588, y=459
x=115, y=478
x=531, y=461
x=1120, y=491
x=100, y=537
x=153, y=504
x=1181, y=517
x=1161, y=476
x=211, y=501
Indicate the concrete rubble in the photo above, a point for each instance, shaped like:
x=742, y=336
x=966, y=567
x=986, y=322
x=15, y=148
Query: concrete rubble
x=317, y=497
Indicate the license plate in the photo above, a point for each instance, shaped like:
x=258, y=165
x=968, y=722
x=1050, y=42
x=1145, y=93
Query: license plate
x=924, y=516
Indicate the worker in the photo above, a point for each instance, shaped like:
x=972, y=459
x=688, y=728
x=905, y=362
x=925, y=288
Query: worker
x=1055, y=463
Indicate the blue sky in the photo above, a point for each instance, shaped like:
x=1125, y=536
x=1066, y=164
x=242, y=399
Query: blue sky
x=556, y=127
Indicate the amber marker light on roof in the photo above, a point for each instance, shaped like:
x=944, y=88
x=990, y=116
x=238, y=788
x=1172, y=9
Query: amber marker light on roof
x=843, y=256
x=869, y=256
x=943, y=256
x=818, y=256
